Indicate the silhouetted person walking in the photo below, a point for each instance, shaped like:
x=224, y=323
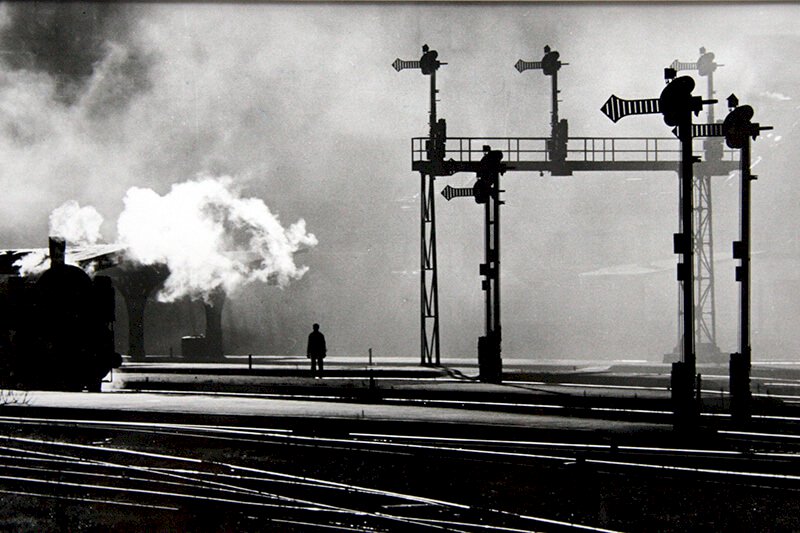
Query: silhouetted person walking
x=316, y=350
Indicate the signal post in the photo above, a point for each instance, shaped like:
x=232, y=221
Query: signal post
x=677, y=104
x=487, y=191
x=739, y=129
x=430, y=353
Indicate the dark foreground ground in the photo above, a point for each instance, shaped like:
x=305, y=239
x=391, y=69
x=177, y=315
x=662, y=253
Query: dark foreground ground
x=410, y=450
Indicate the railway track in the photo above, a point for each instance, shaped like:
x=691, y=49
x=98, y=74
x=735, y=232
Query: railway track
x=131, y=465
x=714, y=385
x=657, y=412
x=111, y=475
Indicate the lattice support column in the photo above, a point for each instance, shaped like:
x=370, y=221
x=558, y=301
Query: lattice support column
x=429, y=279
x=705, y=303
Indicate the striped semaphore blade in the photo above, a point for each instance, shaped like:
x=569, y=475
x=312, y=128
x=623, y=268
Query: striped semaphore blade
x=615, y=108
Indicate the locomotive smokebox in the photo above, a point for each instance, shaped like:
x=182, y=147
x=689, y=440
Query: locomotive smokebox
x=58, y=251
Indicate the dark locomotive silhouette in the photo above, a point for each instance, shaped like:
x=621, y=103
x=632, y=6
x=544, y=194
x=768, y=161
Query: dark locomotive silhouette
x=57, y=330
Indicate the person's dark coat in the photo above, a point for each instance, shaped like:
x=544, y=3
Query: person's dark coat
x=316, y=345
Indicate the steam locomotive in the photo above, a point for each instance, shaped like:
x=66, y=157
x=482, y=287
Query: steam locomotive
x=57, y=331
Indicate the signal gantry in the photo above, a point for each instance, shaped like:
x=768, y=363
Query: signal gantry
x=560, y=155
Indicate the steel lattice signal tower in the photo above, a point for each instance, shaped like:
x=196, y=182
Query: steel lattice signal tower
x=430, y=353
x=703, y=241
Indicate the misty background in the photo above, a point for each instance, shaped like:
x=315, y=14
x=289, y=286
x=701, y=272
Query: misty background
x=300, y=106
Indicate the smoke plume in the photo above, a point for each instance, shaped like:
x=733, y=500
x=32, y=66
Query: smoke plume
x=75, y=224
x=79, y=226
x=210, y=238
x=33, y=264
x=70, y=42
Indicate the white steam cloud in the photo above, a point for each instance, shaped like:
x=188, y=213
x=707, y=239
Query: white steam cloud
x=33, y=264
x=209, y=237
x=75, y=224
x=79, y=226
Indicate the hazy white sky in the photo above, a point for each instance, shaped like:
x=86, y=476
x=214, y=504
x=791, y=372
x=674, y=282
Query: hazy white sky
x=300, y=105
